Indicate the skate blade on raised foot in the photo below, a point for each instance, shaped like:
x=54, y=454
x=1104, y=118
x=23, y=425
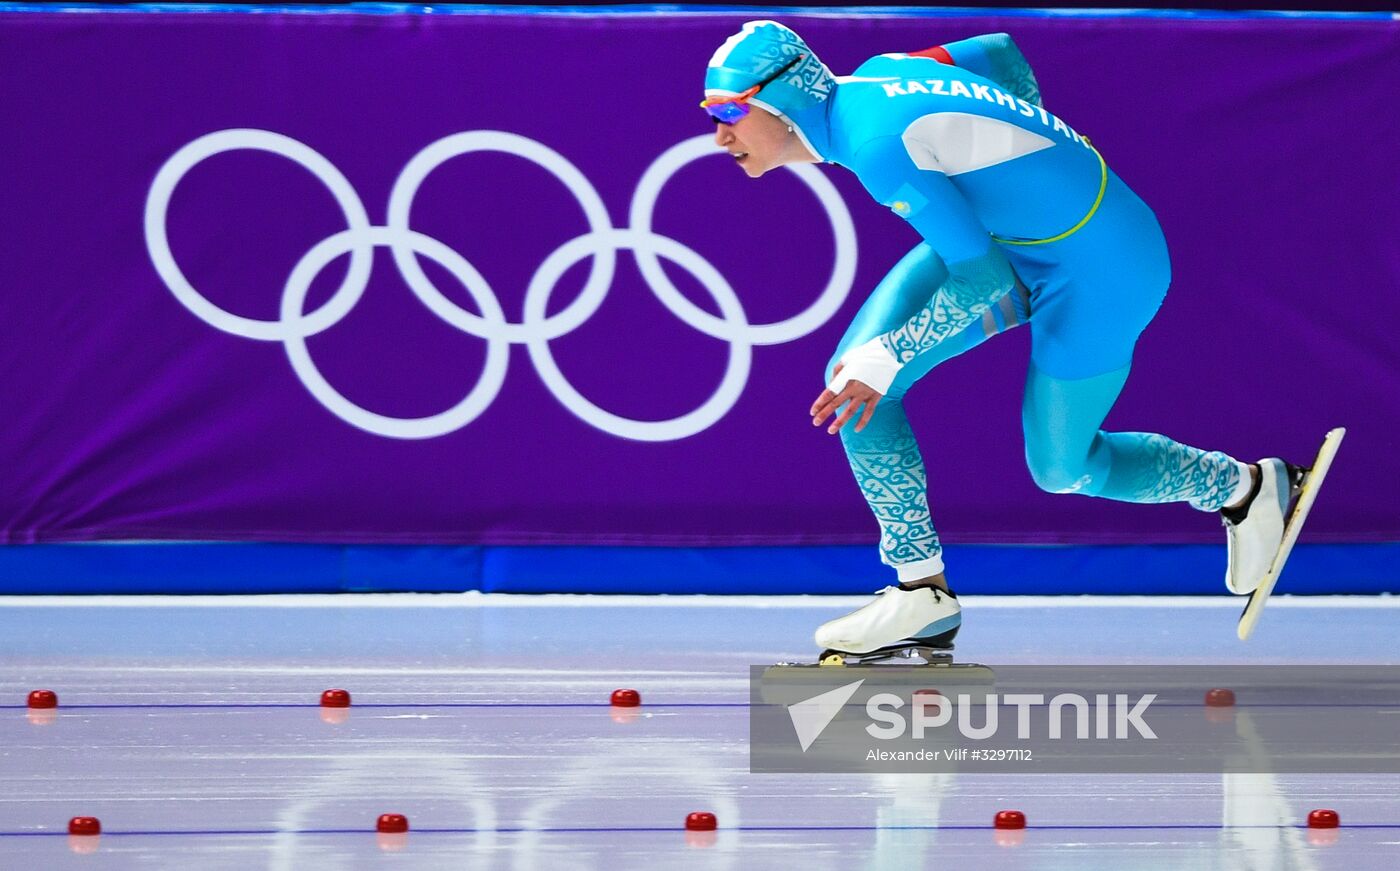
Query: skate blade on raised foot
x=1307, y=494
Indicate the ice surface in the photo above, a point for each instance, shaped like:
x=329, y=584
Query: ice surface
x=191, y=728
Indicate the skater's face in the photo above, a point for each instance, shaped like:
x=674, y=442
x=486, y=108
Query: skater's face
x=759, y=142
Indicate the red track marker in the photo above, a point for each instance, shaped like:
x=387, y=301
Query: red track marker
x=626, y=698
x=84, y=826
x=335, y=699
x=1220, y=698
x=41, y=699
x=1322, y=818
x=1009, y=820
x=701, y=821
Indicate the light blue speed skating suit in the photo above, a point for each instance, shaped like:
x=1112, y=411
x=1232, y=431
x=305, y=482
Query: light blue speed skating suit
x=1022, y=221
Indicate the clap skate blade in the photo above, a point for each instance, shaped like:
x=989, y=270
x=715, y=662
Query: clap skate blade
x=937, y=650
x=915, y=664
x=1306, y=495
x=927, y=653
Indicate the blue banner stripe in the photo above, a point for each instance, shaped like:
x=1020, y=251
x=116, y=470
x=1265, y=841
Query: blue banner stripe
x=195, y=568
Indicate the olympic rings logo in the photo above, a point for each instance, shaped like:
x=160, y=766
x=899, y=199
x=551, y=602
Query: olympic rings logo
x=294, y=325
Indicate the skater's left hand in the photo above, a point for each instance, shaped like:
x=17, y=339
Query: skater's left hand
x=857, y=394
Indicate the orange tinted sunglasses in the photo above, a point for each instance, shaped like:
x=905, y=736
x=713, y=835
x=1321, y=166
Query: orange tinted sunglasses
x=728, y=110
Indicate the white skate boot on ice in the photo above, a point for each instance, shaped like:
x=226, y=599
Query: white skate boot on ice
x=1254, y=532
x=899, y=623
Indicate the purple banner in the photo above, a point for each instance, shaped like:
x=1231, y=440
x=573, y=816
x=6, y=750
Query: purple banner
x=457, y=278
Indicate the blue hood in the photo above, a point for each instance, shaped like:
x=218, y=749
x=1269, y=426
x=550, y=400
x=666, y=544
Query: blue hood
x=801, y=97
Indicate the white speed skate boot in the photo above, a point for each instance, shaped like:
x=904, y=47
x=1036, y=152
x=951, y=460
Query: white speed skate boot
x=1254, y=532
x=899, y=623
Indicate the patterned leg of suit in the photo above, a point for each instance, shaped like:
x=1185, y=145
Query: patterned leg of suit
x=885, y=456
x=1095, y=293
x=890, y=472
x=1067, y=452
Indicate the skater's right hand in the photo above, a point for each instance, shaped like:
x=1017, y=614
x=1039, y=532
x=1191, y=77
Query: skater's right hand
x=855, y=396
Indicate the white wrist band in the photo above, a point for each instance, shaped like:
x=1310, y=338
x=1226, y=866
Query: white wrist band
x=871, y=364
